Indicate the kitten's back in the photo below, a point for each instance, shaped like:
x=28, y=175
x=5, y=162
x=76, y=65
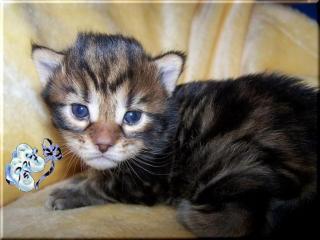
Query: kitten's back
x=252, y=141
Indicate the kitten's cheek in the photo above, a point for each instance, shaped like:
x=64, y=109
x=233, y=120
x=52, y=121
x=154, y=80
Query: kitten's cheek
x=132, y=148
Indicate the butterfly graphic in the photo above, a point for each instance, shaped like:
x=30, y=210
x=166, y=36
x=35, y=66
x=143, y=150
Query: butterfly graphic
x=25, y=161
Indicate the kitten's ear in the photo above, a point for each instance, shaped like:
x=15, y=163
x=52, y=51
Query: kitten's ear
x=46, y=61
x=170, y=67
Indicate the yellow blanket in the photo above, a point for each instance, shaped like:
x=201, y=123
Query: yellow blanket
x=221, y=40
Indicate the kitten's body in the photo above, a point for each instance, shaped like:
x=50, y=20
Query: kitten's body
x=236, y=157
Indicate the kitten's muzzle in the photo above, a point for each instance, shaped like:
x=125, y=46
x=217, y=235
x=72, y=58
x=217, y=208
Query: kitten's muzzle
x=103, y=147
x=104, y=135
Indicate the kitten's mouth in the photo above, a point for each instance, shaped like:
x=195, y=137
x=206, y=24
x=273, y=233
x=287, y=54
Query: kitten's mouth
x=100, y=157
x=101, y=162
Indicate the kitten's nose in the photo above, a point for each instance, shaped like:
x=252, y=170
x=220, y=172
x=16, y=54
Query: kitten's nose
x=104, y=136
x=104, y=141
x=103, y=147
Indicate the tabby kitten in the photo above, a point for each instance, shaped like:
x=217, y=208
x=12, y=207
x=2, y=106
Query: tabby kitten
x=236, y=157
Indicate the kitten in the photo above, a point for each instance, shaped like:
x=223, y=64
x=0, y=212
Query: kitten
x=236, y=157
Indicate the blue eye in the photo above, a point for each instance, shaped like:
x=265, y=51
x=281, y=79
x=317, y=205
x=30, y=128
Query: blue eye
x=132, y=117
x=80, y=111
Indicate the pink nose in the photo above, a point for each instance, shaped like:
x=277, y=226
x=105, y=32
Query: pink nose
x=104, y=136
x=104, y=141
x=103, y=147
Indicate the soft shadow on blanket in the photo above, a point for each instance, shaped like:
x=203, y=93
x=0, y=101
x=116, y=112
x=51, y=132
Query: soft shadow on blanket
x=28, y=218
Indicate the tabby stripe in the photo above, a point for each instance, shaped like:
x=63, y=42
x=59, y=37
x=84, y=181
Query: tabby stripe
x=118, y=82
x=91, y=74
x=104, y=76
x=85, y=88
x=69, y=89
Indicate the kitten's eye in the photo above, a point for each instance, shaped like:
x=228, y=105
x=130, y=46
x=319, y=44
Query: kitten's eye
x=80, y=111
x=132, y=117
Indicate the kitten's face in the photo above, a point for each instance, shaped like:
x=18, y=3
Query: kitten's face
x=108, y=98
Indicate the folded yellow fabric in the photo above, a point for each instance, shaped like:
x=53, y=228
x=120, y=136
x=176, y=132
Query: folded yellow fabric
x=221, y=40
x=27, y=218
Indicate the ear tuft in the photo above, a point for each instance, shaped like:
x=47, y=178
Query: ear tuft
x=46, y=61
x=170, y=67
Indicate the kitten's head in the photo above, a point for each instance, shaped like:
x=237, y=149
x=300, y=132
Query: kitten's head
x=110, y=99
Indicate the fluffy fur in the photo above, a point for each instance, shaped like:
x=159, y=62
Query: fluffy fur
x=236, y=157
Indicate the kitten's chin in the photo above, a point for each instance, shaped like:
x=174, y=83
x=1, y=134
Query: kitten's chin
x=101, y=163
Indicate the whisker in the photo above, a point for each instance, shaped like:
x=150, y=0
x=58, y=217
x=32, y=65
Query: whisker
x=136, y=163
x=152, y=165
x=134, y=171
x=70, y=163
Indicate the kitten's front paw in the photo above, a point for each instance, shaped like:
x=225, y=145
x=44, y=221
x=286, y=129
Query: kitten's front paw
x=63, y=198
